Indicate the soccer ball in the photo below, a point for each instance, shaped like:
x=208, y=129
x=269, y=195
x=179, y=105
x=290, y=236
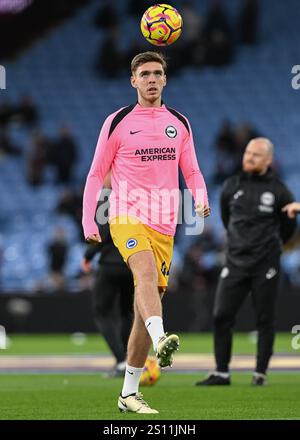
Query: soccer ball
x=151, y=372
x=161, y=25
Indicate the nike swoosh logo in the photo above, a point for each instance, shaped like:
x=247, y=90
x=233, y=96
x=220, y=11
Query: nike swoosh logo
x=130, y=372
x=148, y=324
x=134, y=132
x=123, y=403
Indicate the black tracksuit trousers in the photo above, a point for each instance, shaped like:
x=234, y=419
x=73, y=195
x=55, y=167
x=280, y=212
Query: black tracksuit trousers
x=235, y=283
x=113, y=294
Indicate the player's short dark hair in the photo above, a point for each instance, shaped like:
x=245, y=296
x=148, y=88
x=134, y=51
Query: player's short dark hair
x=146, y=57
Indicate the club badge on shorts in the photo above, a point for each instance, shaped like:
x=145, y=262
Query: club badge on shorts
x=131, y=243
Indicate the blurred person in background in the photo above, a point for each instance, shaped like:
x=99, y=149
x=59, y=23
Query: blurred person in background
x=251, y=210
x=248, y=22
x=191, y=42
x=218, y=49
x=226, y=153
x=37, y=158
x=106, y=17
x=110, y=58
x=243, y=134
x=26, y=112
x=57, y=253
x=6, y=111
x=70, y=204
x=217, y=34
x=112, y=291
x=225, y=139
x=63, y=155
x=6, y=145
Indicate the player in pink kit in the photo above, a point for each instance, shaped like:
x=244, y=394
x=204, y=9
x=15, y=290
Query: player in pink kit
x=143, y=145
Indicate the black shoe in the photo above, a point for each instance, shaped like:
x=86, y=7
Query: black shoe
x=214, y=379
x=116, y=372
x=260, y=380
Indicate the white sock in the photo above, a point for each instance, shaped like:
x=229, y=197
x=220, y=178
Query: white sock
x=155, y=328
x=222, y=374
x=131, y=380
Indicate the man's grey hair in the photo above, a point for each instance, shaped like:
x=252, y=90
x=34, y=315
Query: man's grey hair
x=267, y=142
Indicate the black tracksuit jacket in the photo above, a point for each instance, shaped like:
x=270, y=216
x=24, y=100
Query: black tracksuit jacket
x=251, y=213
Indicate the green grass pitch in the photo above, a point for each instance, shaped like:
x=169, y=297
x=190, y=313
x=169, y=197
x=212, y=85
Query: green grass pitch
x=91, y=396
x=243, y=343
x=85, y=397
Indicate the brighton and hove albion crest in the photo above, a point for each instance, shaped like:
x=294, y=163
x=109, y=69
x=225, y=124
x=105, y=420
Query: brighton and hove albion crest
x=267, y=198
x=131, y=243
x=171, y=131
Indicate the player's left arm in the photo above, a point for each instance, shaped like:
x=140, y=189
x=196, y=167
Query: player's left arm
x=193, y=177
x=287, y=225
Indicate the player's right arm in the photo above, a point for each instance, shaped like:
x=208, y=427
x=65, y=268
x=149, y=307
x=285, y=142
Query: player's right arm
x=104, y=155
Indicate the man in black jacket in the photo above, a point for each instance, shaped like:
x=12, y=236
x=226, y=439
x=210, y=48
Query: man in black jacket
x=112, y=293
x=251, y=209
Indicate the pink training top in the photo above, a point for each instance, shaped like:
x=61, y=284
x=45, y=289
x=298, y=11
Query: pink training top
x=143, y=146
